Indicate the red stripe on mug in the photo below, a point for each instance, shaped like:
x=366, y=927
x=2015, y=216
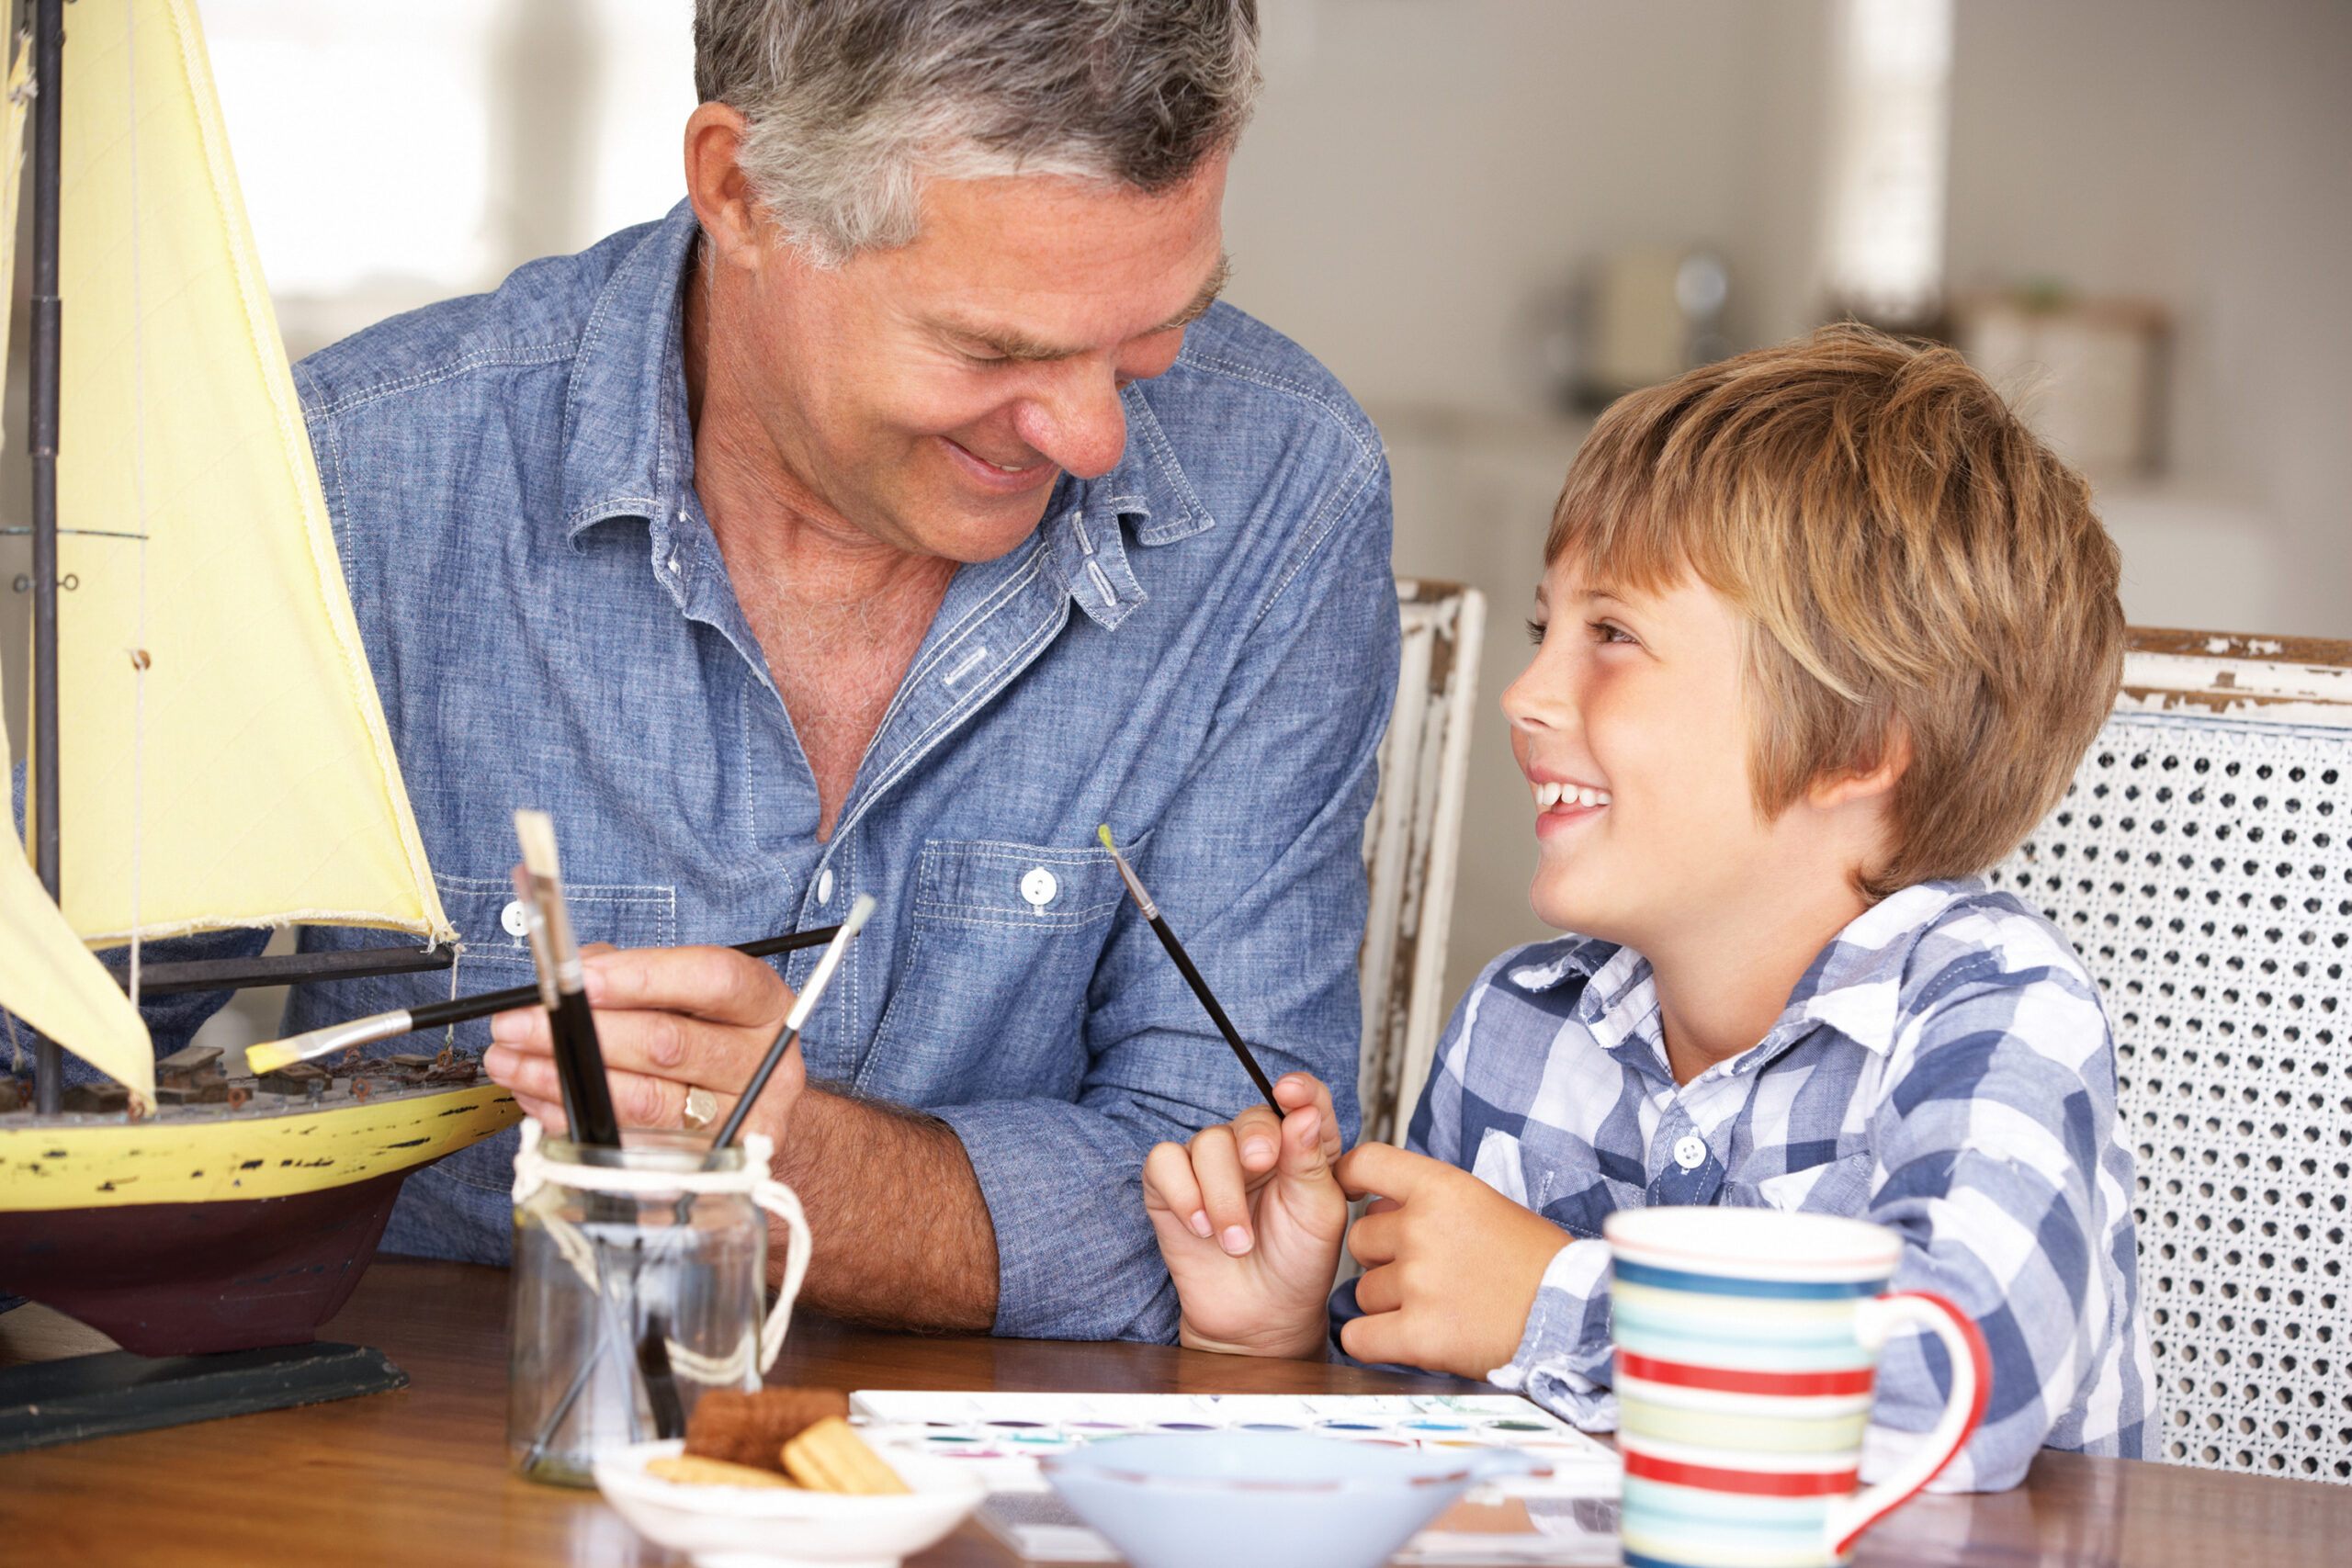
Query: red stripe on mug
x=1728, y=1380
x=1746, y=1482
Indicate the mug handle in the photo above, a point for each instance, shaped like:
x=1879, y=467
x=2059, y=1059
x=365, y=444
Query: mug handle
x=1972, y=1389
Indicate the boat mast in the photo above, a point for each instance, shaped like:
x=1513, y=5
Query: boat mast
x=48, y=80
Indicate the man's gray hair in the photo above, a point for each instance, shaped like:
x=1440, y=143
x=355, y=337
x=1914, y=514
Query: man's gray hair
x=852, y=104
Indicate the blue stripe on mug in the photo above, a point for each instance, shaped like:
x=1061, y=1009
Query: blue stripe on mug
x=1725, y=1285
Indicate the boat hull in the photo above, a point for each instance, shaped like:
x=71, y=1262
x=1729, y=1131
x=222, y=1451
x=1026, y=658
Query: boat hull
x=187, y=1279
x=217, y=1228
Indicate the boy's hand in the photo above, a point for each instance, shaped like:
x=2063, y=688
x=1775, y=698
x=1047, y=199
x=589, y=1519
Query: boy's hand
x=1452, y=1265
x=1250, y=1220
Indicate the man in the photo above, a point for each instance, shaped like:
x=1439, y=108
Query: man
x=897, y=510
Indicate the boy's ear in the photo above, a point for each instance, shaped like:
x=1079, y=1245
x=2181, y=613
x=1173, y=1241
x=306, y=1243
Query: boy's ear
x=1846, y=785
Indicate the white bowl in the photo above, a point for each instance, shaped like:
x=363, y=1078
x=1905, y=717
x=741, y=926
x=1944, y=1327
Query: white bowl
x=759, y=1526
x=1266, y=1499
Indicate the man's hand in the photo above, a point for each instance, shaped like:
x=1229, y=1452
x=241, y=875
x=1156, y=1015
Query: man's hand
x=1452, y=1265
x=903, y=1232
x=1249, y=1219
x=669, y=1019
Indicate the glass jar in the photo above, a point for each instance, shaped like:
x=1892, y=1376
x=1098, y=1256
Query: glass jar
x=639, y=1280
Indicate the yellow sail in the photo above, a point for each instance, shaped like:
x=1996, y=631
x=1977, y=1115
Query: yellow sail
x=49, y=980
x=248, y=778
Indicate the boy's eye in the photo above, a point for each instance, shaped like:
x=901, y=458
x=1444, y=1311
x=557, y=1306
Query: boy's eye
x=1535, y=630
x=1610, y=631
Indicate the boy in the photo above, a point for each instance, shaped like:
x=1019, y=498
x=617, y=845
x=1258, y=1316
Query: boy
x=1823, y=633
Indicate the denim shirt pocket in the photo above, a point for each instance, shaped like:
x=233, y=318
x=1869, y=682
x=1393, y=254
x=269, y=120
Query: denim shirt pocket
x=1004, y=942
x=494, y=958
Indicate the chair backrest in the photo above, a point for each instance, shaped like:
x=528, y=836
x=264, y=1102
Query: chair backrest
x=1411, y=844
x=2199, y=863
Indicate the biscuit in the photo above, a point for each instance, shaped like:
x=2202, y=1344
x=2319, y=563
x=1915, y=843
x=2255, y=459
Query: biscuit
x=689, y=1470
x=831, y=1457
x=749, y=1428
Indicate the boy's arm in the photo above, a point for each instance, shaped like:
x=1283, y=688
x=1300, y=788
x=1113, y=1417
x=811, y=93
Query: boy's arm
x=1551, y=1340
x=1996, y=1140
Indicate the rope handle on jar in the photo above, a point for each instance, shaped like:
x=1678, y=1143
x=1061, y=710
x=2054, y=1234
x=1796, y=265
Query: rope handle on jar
x=533, y=1170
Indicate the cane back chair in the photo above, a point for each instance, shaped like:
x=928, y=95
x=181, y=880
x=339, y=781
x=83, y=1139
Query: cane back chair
x=2199, y=864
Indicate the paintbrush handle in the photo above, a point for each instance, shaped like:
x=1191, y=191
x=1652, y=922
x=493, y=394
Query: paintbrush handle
x=1216, y=1013
x=336, y=1037
x=734, y=1123
x=464, y=1010
x=580, y=1066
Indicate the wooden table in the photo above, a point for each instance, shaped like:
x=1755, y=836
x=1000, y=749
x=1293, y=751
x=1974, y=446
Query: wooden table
x=419, y=1478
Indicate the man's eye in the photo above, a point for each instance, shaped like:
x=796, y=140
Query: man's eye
x=1535, y=633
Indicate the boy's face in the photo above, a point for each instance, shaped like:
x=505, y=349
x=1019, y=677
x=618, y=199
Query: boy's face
x=1632, y=729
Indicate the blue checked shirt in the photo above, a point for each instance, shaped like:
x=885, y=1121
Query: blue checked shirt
x=1944, y=1068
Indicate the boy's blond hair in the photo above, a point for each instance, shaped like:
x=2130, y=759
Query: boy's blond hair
x=1910, y=558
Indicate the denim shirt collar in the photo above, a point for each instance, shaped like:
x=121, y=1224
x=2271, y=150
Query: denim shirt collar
x=629, y=452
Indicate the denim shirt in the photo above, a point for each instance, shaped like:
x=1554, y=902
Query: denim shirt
x=1198, y=648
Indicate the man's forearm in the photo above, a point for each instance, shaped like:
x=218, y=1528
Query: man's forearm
x=902, y=1234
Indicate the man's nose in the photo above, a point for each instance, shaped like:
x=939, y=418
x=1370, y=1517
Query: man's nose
x=1075, y=419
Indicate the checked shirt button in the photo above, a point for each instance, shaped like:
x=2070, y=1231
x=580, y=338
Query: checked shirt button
x=1691, y=1152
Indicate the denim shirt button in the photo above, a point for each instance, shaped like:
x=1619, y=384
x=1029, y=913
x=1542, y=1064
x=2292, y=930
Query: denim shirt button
x=825, y=886
x=516, y=923
x=1039, y=887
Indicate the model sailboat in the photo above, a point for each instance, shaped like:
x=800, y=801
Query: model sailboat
x=212, y=753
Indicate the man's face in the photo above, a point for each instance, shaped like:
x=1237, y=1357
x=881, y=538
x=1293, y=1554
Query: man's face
x=1630, y=727
x=931, y=395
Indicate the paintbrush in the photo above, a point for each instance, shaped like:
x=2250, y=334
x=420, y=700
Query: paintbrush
x=580, y=1074
x=802, y=1006
x=333, y=1037
x=579, y=1061
x=1192, y=976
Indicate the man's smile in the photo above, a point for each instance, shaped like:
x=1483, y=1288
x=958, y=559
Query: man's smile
x=1003, y=479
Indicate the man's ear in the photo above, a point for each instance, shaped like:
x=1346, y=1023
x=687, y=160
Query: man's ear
x=715, y=184
x=1845, y=786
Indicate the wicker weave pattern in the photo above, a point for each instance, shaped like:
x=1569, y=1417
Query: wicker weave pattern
x=2199, y=866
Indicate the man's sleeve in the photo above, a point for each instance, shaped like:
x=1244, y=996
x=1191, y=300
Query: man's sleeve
x=1993, y=1142
x=1258, y=864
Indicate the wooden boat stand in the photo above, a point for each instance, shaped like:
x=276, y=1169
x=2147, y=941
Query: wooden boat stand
x=112, y=1391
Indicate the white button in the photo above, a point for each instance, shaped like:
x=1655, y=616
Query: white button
x=825, y=886
x=516, y=923
x=1691, y=1152
x=1039, y=887
x=673, y=563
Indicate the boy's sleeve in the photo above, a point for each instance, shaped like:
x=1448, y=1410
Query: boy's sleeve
x=1563, y=1356
x=1998, y=1163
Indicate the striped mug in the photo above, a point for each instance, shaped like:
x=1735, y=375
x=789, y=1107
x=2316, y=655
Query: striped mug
x=1747, y=1344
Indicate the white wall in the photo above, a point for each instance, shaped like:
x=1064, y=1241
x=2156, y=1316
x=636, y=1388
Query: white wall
x=2198, y=154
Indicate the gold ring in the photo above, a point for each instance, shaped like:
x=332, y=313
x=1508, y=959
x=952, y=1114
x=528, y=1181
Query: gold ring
x=702, y=1107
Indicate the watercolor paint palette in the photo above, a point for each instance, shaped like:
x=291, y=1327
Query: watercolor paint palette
x=1550, y=1520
